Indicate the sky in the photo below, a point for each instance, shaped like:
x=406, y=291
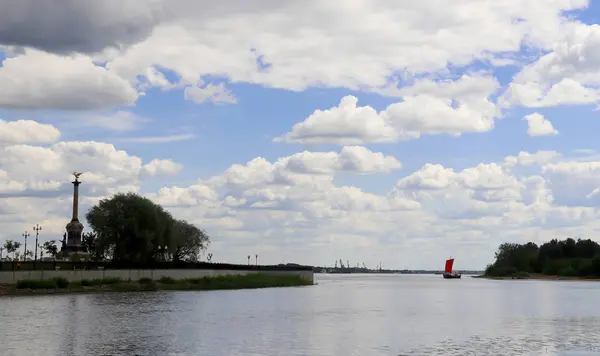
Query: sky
x=374, y=131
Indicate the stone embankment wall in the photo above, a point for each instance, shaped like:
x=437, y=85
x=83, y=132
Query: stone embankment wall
x=135, y=274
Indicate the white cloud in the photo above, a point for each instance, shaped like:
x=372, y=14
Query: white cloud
x=528, y=159
x=118, y=121
x=161, y=166
x=344, y=124
x=537, y=125
x=568, y=75
x=217, y=94
x=27, y=131
x=37, y=80
x=104, y=166
x=293, y=203
x=160, y=139
x=305, y=43
x=428, y=108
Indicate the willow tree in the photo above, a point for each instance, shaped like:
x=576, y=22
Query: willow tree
x=130, y=227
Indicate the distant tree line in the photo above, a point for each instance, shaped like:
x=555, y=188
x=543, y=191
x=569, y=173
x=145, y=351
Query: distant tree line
x=129, y=227
x=567, y=258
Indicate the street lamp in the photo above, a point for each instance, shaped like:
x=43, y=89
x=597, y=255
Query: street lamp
x=248, y=260
x=162, y=250
x=37, y=228
x=256, y=259
x=26, y=235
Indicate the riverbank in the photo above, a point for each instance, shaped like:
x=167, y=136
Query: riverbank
x=230, y=282
x=541, y=277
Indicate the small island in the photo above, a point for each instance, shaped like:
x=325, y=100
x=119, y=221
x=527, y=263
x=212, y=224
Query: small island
x=134, y=245
x=566, y=259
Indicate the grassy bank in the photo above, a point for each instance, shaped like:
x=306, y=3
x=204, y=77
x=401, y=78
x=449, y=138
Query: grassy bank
x=61, y=285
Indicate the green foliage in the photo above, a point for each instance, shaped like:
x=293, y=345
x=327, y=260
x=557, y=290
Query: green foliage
x=167, y=280
x=88, y=241
x=145, y=280
x=61, y=282
x=129, y=227
x=50, y=248
x=568, y=258
x=33, y=284
x=255, y=280
x=11, y=247
x=111, y=280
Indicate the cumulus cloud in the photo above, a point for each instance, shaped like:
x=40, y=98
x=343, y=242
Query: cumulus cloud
x=217, y=94
x=528, y=159
x=295, y=45
x=568, y=75
x=428, y=108
x=294, y=201
x=27, y=131
x=161, y=166
x=343, y=124
x=38, y=80
x=537, y=125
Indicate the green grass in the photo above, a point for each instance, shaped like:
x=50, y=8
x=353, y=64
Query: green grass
x=250, y=281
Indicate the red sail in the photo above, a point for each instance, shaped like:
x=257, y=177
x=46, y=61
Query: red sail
x=449, y=264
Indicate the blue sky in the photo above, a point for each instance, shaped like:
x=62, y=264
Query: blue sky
x=165, y=103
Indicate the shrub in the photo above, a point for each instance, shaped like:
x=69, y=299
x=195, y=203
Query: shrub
x=111, y=280
x=167, y=280
x=501, y=271
x=568, y=271
x=145, y=280
x=33, y=284
x=585, y=268
x=61, y=282
x=521, y=275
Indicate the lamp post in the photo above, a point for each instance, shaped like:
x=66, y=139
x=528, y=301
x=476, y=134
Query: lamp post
x=256, y=259
x=248, y=260
x=42, y=259
x=161, y=251
x=25, y=235
x=37, y=228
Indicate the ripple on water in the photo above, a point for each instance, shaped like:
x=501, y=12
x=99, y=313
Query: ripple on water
x=553, y=336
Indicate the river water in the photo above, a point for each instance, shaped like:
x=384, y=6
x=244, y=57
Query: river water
x=343, y=315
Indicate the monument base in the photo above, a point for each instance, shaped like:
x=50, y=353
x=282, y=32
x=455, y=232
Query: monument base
x=74, y=253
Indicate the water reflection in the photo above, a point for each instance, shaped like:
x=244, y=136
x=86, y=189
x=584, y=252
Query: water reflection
x=343, y=315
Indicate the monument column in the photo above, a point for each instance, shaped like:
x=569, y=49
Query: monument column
x=76, y=184
x=75, y=228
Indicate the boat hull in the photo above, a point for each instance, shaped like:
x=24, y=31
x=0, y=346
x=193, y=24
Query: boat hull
x=451, y=275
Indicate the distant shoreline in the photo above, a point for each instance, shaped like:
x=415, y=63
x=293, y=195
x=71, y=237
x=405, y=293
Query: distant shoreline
x=542, y=277
x=236, y=282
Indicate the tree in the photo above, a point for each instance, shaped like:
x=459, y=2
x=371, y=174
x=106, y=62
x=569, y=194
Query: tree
x=567, y=257
x=27, y=254
x=88, y=241
x=11, y=247
x=189, y=241
x=129, y=227
x=50, y=248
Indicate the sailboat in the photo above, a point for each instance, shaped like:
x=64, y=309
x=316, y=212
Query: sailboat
x=448, y=274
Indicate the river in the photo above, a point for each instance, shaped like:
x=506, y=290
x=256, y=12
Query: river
x=342, y=315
